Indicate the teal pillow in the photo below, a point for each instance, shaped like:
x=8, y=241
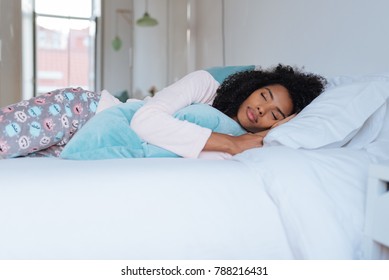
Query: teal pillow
x=122, y=96
x=220, y=73
x=108, y=134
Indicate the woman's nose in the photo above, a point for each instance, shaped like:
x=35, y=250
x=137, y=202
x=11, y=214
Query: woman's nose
x=260, y=110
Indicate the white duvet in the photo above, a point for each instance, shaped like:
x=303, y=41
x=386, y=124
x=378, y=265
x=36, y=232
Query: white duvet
x=320, y=196
x=269, y=203
x=162, y=208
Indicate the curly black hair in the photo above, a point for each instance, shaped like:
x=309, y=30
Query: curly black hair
x=302, y=87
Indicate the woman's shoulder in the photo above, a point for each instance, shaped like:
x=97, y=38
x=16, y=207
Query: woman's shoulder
x=220, y=73
x=199, y=78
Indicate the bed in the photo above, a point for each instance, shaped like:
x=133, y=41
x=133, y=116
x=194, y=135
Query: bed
x=301, y=196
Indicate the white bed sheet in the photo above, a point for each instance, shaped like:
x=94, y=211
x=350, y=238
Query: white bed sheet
x=137, y=209
x=320, y=195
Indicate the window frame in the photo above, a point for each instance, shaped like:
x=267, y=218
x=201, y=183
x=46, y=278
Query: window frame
x=93, y=18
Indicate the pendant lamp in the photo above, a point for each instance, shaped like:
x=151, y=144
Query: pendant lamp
x=116, y=42
x=146, y=20
x=126, y=15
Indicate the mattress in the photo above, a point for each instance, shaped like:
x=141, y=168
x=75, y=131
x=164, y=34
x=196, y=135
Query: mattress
x=269, y=203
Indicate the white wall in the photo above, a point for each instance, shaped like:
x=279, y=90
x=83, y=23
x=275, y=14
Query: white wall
x=10, y=52
x=332, y=37
x=177, y=25
x=166, y=52
x=208, y=32
x=150, y=48
x=116, y=66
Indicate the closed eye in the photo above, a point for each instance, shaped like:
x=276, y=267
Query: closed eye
x=264, y=97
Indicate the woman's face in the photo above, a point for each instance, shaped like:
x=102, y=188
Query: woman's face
x=264, y=107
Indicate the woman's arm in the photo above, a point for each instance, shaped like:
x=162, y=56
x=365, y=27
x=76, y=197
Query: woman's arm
x=237, y=144
x=233, y=144
x=155, y=124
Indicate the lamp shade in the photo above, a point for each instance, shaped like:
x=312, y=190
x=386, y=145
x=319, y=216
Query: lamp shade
x=116, y=43
x=146, y=20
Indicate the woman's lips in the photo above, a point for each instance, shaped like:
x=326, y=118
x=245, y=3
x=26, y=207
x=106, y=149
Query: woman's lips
x=252, y=115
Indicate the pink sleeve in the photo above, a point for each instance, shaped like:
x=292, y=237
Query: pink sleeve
x=154, y=121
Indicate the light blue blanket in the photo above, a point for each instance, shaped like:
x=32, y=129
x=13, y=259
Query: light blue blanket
x=108, y=134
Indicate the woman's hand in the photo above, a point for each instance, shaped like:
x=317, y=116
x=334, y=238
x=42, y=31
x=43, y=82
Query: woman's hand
x=233, y=144
x=283, y=121
x=265, y=132
x=246, y=141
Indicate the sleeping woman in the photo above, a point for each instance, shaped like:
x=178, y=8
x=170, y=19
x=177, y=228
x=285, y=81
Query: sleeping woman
x=256, y=99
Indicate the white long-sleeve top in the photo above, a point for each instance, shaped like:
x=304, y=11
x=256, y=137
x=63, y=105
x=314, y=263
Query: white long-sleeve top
x=154, y=122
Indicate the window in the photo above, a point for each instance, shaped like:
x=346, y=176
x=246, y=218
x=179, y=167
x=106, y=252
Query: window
x=65, y=33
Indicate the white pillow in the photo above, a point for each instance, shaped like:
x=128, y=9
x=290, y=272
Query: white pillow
x=335, y=117
x=379, y=148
